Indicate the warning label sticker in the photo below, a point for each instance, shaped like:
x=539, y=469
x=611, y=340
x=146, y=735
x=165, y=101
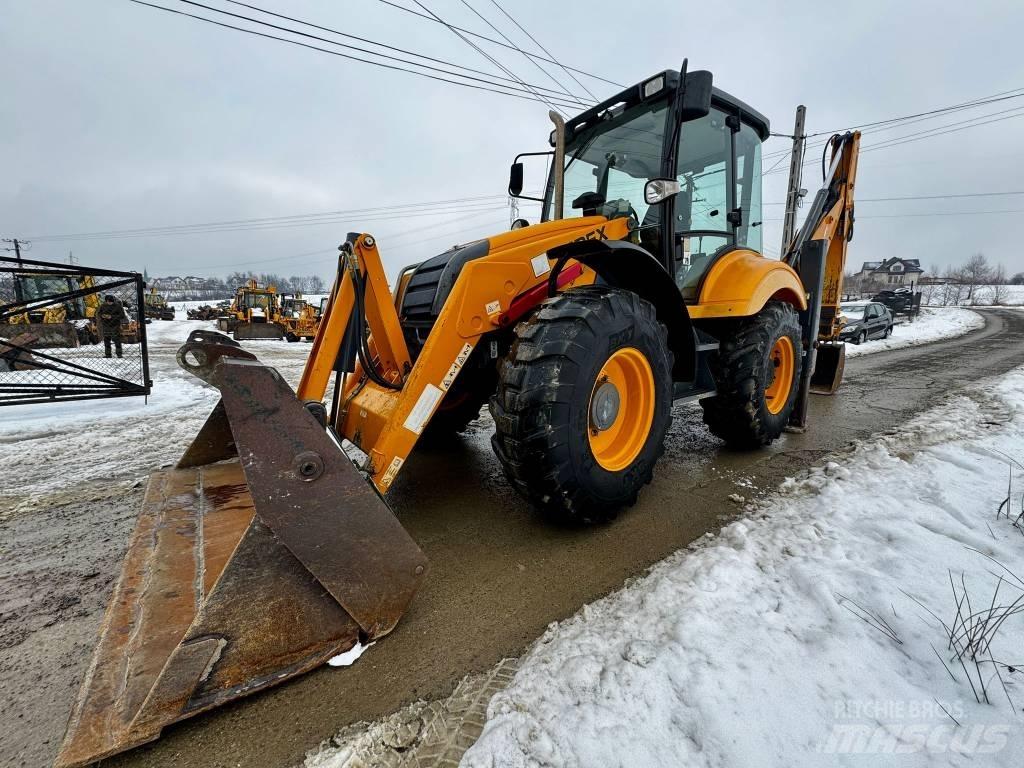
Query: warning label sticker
x=393, y=467
x=541, y=265
x=460, y=360
x=493, y=307
x=423, y=409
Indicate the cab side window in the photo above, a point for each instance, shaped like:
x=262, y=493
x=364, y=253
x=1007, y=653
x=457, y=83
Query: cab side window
x=705, y=174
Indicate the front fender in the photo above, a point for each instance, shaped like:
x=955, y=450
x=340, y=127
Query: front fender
x=622, y=264
x=742, y=281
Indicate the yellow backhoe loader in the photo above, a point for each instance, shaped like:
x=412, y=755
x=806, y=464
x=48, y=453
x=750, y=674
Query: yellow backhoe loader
x=266, y=550
x=63, y=323
x=157, y=307
x=254, y=314
x=299, y=318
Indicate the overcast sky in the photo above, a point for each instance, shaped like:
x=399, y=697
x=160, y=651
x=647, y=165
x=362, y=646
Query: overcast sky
x=115, y=116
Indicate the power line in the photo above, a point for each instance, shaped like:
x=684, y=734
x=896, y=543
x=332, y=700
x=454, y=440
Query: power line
x=478, y=36
x=981, y=101
x=931, y=213
x=927, y=197
x=898, y=122
x=356, y=48
x=532, y=61
x=367, y=41
x=397, y=207
x=511, y=90
x=551, y=55
x=933, y=132
x=484, y=53
x=477, y=208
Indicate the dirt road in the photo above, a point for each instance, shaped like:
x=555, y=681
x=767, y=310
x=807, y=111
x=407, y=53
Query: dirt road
x=498, y=575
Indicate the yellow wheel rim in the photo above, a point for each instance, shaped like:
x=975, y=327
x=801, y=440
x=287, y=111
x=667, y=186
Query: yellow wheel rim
x=780, y=375
x=621, y=409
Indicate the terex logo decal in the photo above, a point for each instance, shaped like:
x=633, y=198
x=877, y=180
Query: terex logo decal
x=597, y=234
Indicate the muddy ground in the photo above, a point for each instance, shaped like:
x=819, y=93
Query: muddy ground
x=498, y=575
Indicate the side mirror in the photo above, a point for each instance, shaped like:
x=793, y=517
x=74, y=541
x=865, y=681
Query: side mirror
x=515, y=179
x=696, y=96
x=657, y=190
x=519, y=224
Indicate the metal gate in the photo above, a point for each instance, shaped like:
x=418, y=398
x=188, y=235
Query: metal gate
x=53, y=346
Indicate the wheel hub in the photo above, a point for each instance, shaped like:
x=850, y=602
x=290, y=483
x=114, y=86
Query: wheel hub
x=604, y=406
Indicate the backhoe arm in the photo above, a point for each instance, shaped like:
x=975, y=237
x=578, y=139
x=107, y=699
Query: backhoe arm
x=818, y=253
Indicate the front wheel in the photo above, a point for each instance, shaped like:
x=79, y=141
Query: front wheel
x=888, y=332
x=861, y=338
x=757, y=374
x=583, y=403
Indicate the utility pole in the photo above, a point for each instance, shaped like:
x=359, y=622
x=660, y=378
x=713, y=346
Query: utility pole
x=16, y=247
x=796, y=193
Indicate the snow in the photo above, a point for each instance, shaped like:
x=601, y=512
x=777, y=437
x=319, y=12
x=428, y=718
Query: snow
x=348, y=658
x=930, y=325
x=754, y=648
x=982, y=295
x=121, y=440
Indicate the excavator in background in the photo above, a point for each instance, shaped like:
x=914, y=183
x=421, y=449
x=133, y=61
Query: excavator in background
x=68, y=323
x=266, y=550
x=299, y=318
x=157, y=307
x=254, y=314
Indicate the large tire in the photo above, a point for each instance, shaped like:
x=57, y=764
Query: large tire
x=545, y=438
x=744, y=412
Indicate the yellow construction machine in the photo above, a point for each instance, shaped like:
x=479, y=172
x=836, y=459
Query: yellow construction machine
x=254, y=313
x=266, y=550
x=156, y=306
x=299, y=318
x=66, y=322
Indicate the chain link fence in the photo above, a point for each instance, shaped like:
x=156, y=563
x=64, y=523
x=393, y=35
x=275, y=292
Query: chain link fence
x=70, y=333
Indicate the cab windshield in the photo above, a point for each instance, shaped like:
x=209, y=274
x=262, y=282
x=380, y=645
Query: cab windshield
x=608, y=164
x=256, y=300
x=718, y=167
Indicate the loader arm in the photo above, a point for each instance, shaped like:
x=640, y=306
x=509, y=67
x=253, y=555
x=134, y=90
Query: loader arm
x=385, y=418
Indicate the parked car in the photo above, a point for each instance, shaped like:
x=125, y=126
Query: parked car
x=899, y=300
x=865, y=320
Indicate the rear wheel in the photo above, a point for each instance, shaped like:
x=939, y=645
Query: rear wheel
x=757, y=370
x=583, y=403
x=291, y=337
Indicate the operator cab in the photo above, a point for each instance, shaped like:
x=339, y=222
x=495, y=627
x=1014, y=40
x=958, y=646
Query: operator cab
x=615, y=148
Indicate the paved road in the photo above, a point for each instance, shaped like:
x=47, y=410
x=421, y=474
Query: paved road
x=499, y=575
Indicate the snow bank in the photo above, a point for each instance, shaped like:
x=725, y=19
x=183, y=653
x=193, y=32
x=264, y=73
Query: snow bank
x=981, y=296
x=930, y=325
x=754, y=647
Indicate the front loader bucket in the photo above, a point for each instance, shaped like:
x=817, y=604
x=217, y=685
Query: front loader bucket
x=260, y=555
x=48, y=335
x=828, y=369
x=247, y=331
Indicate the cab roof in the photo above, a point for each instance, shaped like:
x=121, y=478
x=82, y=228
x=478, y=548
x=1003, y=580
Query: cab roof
x=634, y=95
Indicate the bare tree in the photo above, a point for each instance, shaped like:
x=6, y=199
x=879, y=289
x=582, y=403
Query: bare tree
x=930, y=293
x=997, y=290
x=1017, y=279
x=974, y=273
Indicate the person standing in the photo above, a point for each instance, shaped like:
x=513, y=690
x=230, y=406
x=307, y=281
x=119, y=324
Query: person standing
x=108, y=318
